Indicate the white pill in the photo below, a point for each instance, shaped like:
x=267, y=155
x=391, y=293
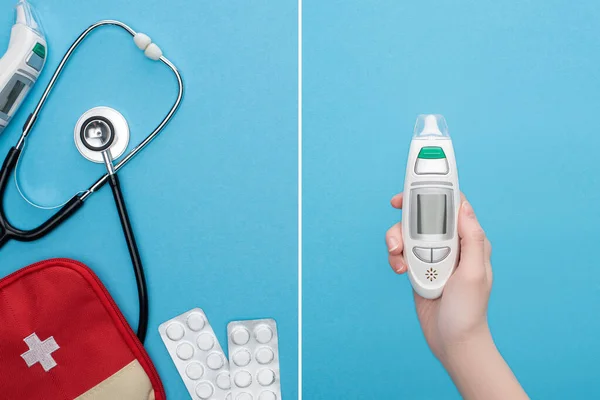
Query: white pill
x=205, y=341
x=264, y=355
x=185, y=351
x=267, y=395
x=242, y=358
x=244, y=396
x=263, y=334
x=142, y=40
x=242, y=379
x=175, y=331
x=266, y=377
x=240, y=336
x=195, y=321
x=194, y=370
x=153, y=52
x=204, y=390
x=214, y=361
x=224, y=381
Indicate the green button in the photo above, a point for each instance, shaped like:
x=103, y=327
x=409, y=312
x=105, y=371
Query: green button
x=40, y=50
x=431, y=153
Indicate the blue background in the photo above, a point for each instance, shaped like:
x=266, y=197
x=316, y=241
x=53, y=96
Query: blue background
x=519, y=84
x=213, y=200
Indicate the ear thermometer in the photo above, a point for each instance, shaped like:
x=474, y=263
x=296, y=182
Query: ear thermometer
x=430, y=207
x=22, y=63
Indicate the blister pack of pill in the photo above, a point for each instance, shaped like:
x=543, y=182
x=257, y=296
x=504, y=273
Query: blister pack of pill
x=198, y=356
x=254, y=360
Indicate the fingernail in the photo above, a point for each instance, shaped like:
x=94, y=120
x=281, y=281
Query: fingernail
x=400, y=268
x=467, y=209
x=392, y=243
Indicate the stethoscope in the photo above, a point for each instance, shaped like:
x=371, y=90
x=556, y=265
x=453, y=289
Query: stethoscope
x=101, y=135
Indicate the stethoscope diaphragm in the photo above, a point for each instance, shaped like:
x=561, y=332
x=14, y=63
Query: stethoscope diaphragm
x=101, y=128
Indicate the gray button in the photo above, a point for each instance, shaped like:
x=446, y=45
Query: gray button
x=438, y=254
x=36, y=62
x=431, y=167
x=423, y=253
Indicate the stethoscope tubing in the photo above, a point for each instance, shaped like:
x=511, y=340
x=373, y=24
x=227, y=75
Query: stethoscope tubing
x=134, y=254
x=7, y=231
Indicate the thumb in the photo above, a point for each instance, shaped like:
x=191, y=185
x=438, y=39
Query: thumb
x=472, y=242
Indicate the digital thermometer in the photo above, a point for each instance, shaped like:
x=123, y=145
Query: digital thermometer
x=430, y=207
x=22, y=63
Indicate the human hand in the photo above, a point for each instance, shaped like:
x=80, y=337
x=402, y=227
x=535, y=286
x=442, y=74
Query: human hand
x=460, y=314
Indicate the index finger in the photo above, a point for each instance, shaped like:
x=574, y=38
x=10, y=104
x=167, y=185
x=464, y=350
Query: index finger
x=397, y=201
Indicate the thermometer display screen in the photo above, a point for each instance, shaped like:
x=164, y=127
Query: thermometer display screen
x=431, y=214
x=7, y=103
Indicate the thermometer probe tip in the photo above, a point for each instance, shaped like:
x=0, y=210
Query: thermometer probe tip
x=431, y=125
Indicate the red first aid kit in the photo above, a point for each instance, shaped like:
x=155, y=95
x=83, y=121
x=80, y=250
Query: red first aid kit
x=63, y=337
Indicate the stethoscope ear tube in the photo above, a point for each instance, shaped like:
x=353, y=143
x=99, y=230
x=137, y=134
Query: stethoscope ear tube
x=7, y=231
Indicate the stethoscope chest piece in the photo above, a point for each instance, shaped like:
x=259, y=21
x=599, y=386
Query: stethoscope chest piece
x=100, y=129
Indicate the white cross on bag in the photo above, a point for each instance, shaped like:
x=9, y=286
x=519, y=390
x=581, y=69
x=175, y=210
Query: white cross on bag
x=40, y=352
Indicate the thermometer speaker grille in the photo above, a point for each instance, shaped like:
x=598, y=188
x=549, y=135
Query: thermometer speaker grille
x=431, y=274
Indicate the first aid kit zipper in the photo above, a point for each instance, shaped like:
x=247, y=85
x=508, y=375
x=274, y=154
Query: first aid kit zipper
x=83, y=269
